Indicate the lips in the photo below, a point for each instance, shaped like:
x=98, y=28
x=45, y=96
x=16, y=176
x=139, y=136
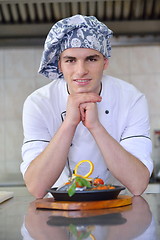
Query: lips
x=82, y=81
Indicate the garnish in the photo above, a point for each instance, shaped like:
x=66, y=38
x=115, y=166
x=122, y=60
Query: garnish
x=75, y=172
x=98, y=181
x=78, y=182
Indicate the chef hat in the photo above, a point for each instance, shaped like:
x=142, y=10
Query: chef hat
x=73, y=32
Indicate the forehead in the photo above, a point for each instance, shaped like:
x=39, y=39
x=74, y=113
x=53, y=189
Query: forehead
x=80, y=52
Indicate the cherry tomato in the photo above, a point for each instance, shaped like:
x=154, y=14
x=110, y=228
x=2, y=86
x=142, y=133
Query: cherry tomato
x=98, y=181
x=78, y=185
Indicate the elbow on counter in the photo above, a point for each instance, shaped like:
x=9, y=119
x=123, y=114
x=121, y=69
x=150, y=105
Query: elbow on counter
x=139, y=185
x=138, y=192
x=138, y=189
x=34, y=189
x=36, y=192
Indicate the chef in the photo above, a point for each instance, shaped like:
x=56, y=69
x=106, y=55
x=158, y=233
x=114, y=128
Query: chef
x=84, y=114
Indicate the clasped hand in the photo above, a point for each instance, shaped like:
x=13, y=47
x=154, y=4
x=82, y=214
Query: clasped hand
x=83, y=107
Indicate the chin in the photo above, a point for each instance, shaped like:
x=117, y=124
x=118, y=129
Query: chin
x=82, y=91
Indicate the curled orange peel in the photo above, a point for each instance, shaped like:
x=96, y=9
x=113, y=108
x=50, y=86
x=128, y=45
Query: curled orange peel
x=90, y=170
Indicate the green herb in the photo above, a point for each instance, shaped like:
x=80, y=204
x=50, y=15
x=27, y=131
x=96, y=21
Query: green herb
x=79, y=234
x=78, y=181
x=72, y=189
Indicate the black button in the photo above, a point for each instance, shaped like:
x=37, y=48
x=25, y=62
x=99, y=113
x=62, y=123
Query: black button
x=106, y=112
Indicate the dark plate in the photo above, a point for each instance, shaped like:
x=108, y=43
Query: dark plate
x=103, y=220
x=81, y=196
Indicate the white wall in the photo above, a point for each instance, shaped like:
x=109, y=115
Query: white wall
x=139, y=65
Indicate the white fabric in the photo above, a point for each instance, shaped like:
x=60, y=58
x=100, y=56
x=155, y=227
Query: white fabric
x=127, y=122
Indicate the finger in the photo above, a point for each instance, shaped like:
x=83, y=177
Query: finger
x=82, y=112
x=86, y=98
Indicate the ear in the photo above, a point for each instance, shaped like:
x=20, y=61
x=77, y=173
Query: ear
x=59, y=65
x=106, y=62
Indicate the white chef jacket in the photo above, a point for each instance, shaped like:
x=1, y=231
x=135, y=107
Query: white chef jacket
x=123, y=112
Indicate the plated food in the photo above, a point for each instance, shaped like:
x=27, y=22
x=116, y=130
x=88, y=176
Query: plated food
x=83, y=188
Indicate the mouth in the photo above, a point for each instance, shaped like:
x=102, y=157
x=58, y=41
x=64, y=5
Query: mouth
x=82, y=81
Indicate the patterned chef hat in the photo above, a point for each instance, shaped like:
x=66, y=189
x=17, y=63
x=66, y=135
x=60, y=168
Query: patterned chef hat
x=74, y=32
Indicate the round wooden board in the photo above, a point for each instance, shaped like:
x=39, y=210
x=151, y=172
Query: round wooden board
x=50, y=203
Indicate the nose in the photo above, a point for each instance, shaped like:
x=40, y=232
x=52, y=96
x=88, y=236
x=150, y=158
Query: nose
x=81, y=68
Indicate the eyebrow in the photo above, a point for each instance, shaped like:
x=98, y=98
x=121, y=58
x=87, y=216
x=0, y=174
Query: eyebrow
x=88, y=57
x=93, y=56
x=68, y=57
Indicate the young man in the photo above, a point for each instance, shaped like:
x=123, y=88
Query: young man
x=83, y=114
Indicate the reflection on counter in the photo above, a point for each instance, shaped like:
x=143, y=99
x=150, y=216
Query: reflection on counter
x=129, y=222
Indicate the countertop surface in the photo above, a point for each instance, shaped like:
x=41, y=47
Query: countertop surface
x=19, y=219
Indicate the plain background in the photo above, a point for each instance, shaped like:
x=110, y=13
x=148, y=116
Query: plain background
x=139, y=65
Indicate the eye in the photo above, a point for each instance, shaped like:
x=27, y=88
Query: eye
x=69, y=61
x=92, y=59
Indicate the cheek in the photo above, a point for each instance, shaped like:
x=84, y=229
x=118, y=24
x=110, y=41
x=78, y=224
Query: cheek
x=98, y=73
x=67, y=73
x=98, y=70
x=66, y=69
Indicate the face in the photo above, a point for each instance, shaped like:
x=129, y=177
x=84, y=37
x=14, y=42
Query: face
x=82, y=69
